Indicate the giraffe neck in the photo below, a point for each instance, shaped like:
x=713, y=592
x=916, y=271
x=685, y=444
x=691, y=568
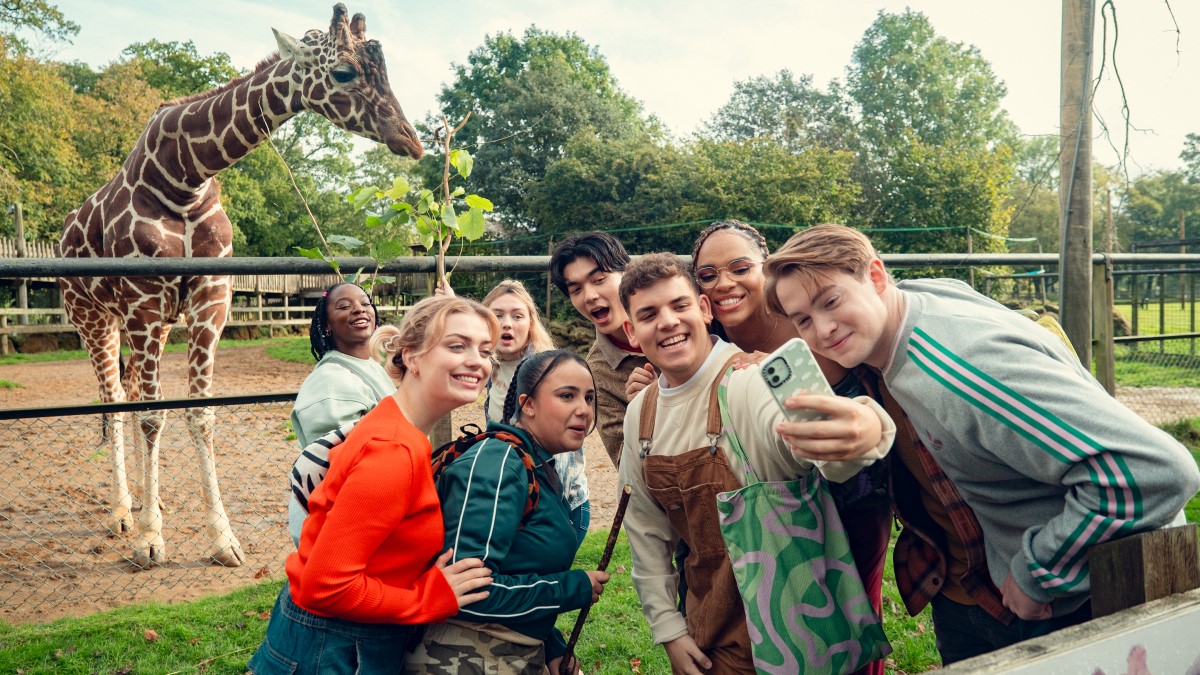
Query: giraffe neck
x=200, y=136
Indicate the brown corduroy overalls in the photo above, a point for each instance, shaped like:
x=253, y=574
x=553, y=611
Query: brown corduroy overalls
x=685, y=486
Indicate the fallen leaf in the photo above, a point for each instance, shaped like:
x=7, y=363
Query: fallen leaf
x=920, y=627
x=194, y=641
x=636, y=664
x=262, y=573
x=620, y=569
x=249, y=612
x=265, y=615
x=150, y=635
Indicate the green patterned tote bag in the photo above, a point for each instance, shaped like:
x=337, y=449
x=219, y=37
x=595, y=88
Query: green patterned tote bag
x=806, y=608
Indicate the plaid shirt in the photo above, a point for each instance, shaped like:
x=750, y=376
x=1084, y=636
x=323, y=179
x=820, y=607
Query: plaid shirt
x=918, y=561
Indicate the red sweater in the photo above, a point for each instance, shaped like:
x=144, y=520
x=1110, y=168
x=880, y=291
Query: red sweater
x=374, y=530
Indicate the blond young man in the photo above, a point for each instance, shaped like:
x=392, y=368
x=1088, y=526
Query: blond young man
x=1049, y=462
x=674, y=483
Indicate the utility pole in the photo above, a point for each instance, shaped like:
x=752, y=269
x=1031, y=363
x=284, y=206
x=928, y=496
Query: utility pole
x=1075, y=167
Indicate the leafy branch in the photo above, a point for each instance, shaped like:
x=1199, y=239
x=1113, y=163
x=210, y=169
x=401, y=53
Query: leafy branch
x=401, y=210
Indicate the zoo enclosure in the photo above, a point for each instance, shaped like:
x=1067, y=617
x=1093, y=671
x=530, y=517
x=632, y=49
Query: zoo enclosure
x=55, y=549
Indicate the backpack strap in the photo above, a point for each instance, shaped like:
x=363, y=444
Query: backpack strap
x=650, y=410
x=471, y=435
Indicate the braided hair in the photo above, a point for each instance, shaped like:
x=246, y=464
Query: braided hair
x=749, y=233
x=320, y=338
x=529, y=374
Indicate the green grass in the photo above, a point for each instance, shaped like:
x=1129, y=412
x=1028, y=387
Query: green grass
x=213, y=635
x=1175, y=319
x=1188, y=433
x=9, y=384
x=288, y=349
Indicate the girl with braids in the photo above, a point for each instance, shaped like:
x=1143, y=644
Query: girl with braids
x=346, y=383
x=727, y=266
x=551, y=407
x=522, y=334
x=371, y=568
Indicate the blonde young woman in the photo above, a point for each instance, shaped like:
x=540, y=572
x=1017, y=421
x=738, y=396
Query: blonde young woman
x=370, y=568
x=521, y=335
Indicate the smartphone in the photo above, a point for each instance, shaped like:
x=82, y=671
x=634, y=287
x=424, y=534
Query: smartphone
x=792, y=369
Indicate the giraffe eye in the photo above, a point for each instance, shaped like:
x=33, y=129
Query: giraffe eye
x=344, y=75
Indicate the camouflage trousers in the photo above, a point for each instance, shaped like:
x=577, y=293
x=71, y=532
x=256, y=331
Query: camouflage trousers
x=457, y=649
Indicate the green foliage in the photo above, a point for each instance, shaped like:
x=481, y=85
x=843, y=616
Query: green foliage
x=906, y=80
x=177, y=69
x=1155, y=203
x=269, y=218
x=9, y=384
x=399, y=211
x=785, y=108
x=936, y=144
x=37, y=16
x=528, y=97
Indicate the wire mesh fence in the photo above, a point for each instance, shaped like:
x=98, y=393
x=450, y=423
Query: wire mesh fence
x=58, y=555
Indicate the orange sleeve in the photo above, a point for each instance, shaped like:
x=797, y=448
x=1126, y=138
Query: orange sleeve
x=358, y=567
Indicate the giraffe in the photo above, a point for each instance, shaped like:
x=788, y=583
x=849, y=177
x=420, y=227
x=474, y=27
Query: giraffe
x=165, y=202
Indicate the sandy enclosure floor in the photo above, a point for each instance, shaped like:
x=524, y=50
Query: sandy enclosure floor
x=56, y=555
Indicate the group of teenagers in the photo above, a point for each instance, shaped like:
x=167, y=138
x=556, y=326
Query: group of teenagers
x=974, y=429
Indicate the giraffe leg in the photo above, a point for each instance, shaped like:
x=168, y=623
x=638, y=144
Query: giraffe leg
x=207, y=312
x=101, y=334
x=146, y=345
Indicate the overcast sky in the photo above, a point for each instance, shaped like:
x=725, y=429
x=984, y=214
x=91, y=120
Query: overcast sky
x=680, y=58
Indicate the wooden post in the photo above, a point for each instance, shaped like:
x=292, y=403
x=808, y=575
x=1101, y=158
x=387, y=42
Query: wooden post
x=1182, y=266
x=970, y=250
x=23, y=284
x=1147, y=566
x=4, y=346
x=1075, y=169
x=1102, y=312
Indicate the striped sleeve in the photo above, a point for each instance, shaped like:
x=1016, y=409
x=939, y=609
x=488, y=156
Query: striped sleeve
x=1046, y=421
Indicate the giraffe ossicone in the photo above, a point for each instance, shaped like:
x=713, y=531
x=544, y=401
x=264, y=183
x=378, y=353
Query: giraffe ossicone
x=165, y=202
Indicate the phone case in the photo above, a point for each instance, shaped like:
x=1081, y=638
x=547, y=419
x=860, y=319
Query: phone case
x=792, y=369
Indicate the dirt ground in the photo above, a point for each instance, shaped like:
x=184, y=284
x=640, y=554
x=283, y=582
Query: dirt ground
x=56, y=556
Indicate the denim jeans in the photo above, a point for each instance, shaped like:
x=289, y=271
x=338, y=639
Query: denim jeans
x=966, y=631
x=581, y=517
x=298, y=641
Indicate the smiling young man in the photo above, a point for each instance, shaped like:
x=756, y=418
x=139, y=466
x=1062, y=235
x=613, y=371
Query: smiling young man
x=674, y=483
x=587, y=269
x=1049, y=462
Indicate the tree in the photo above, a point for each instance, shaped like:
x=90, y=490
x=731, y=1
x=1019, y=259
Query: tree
x=1155, y=203
x=527, y=98
x=787, y=109
x=936, y=145
x=177, y=69
x=38, y=16
x=904, y=76
x=1191, y=157
x=1033, y=201
x=625, y=183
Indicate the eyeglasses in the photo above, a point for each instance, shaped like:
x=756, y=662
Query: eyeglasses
x=737, y=268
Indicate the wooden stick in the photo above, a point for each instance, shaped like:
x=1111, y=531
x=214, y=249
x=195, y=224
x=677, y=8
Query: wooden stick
x=613, y=532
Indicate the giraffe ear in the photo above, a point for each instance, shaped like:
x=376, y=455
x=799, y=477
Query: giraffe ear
x=289, y=47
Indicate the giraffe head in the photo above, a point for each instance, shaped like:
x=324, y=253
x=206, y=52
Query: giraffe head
x=343, y=78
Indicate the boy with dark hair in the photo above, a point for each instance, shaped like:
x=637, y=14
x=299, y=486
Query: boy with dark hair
x=587, y=268
x=671, y=463
x=1049, y=462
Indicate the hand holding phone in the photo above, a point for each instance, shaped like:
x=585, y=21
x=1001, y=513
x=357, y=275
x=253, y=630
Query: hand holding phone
x=790, y=370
